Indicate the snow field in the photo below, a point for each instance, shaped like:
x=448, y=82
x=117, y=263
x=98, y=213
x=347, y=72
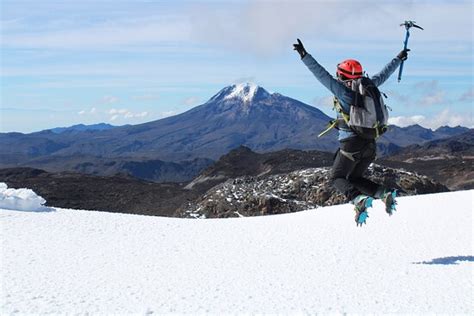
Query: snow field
x=417, y=261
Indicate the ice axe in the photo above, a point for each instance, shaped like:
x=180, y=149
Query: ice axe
x=408, y=25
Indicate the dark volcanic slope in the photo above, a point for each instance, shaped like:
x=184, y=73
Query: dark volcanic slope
x=244, y=162
x=129, y=195
x=111, y=194
x=141, y=168
x=449, y=161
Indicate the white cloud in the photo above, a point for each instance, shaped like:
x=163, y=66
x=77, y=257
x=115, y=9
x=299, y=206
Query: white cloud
x=427, y=85
x=168, y=113
x=443, y=118
x=266, y=27
x=91, y=111
x=109, y=99
x=126, y=114
x=426, y=93
x=103, y=35
x=191, y=101
x=398, y=97
x=146, y=97
x=467, y=96
x=118, y=111
x=403, y=121
x=134, y=115
x=433, y=98
x=324, y=102
x=244, y=79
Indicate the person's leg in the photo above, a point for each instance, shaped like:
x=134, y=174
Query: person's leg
x=356, y=177
x=341, y=168
x=344, y=165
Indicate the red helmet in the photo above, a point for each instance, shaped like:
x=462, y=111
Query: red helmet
x=349, y=68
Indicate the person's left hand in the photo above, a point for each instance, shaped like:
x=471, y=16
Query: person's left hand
x=403, y=55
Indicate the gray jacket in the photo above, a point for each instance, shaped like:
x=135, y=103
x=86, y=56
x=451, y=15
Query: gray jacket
x=340, y=90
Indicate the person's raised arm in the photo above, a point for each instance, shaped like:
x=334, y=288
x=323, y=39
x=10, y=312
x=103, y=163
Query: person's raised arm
x=387, y=71
x=342, y=92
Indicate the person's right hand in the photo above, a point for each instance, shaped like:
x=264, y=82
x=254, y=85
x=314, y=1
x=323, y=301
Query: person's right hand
x=300, y=48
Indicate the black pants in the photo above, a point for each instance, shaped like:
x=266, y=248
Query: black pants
x=352, y=160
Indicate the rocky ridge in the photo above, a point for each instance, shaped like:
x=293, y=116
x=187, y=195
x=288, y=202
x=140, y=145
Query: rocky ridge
x=292, y=192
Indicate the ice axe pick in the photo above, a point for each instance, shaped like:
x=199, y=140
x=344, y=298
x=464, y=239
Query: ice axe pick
x=408, y=25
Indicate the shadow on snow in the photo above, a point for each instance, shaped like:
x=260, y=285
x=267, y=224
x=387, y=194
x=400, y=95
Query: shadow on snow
x=448, y=260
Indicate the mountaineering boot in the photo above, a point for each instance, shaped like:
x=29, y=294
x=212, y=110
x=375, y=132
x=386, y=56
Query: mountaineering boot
x=389, y=199
x=361, y=204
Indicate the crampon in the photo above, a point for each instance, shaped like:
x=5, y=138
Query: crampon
x=361, y=204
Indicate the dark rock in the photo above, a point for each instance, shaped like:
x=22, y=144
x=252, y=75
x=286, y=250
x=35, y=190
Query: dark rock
x=292, y=192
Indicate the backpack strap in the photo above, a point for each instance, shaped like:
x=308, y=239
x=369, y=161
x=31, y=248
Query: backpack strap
x=338, y=107
x=335, y=123
x=332, y=124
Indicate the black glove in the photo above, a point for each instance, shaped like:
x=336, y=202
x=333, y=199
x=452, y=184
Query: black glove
x=403, y=55
x=300, y=48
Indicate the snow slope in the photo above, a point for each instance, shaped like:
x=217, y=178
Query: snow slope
x=418, y=261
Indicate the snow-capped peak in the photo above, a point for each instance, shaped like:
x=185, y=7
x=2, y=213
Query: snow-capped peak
x=244, y=91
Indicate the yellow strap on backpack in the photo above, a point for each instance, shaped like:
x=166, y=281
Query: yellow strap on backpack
x=338, y=108
x=330, y=126
x=333, y=123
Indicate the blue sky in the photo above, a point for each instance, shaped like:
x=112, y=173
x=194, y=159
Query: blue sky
x=127, y=62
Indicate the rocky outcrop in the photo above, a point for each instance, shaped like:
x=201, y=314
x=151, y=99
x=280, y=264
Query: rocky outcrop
x=292, y=192
x=242, y=161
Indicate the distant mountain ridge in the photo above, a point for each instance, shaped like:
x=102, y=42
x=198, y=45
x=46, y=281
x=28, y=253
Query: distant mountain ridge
x=448, y=160
x=81, y=128
x=243, y=114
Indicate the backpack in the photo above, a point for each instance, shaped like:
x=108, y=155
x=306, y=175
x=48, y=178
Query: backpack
x=368, y=115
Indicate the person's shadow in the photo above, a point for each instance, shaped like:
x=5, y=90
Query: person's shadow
x=448, y=260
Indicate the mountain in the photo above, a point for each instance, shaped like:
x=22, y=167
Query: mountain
x=416, y=134
x=243, y=114
x=82, y=128
x=67, y=261
x=237, y=115
x=446, y=131
x=449, y=160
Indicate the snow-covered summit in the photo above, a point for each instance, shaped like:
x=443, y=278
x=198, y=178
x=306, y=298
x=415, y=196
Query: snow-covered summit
x=245, y=92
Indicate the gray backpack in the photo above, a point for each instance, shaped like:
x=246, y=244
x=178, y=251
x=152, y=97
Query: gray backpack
x=368, y=116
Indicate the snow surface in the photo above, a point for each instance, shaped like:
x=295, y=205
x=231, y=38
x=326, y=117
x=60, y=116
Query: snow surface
x=21, y=199
x=418, y=261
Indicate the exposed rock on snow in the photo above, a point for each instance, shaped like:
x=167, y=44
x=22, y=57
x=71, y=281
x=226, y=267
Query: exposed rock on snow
x=21, y=200
x=292, y=192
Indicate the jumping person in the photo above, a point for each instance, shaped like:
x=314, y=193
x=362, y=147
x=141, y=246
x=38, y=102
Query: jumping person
x=357, y=148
